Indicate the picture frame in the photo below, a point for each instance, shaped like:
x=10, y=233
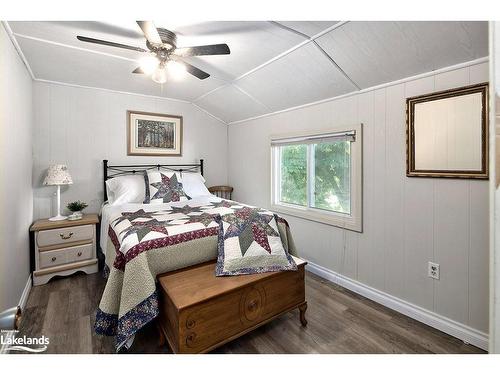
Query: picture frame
x=153, y=134
x=447, y=133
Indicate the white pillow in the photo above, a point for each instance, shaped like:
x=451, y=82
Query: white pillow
x=126, y=189
x=194, y=185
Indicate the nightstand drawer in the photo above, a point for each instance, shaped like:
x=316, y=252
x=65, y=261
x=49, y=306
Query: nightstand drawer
x=78, y=253
x=64, y=235
x=67, y=255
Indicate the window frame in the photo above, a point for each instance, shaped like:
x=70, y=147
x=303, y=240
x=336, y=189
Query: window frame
x=352, y=221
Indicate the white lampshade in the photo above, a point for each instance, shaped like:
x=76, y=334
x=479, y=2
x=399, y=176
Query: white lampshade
x=58, y=175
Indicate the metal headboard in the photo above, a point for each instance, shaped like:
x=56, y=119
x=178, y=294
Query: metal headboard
x=111, y=171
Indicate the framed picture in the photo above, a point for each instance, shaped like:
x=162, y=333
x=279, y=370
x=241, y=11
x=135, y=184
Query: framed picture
x=154, y=134
x=447, y=133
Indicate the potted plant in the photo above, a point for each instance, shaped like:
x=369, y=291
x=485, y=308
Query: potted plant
x=76, y=209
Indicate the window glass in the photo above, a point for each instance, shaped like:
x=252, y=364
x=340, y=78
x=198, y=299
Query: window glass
x=293, y=181
x=331, y=185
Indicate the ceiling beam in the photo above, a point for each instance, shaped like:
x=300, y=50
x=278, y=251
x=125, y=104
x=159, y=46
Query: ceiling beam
x=327, y=55
x=291, y=29
x=17, y=47
x=111, y=90
x=251, y=97
x=287, y=52
x=73, y=47
x=281, y=55
x=209, y=114
x=330, y=58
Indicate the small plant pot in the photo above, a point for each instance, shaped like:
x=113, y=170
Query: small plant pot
x=77, y=215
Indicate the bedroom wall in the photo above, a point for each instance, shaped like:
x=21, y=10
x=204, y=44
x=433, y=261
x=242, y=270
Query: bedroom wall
x=16, y=193
x=82, y=126
x=495, y=245
x=407, y=221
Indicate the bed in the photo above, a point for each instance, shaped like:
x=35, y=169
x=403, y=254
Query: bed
x=141, y=241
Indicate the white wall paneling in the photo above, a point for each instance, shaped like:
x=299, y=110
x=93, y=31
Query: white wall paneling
x=407, y=221
x=495, y=191
x=16, y=193
x=419, y=222
x=80, y=127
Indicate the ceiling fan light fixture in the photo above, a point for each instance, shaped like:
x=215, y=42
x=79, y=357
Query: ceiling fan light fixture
x=160, y=75
x=176, y=69
x=161, y=48
x=149, y=64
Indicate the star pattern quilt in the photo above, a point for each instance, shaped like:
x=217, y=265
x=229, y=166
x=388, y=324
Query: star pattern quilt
x=142, y=245
x=250, y=242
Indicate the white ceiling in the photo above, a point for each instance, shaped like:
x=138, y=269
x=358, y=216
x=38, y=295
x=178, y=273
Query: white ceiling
x=272, y=65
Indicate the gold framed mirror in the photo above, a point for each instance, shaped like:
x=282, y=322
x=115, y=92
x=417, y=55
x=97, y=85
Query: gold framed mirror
x=447, y=133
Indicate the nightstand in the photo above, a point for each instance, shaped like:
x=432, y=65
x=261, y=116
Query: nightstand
x=63, y=247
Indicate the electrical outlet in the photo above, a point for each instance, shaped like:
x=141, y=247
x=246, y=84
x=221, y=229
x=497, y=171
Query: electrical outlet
x=433, y=270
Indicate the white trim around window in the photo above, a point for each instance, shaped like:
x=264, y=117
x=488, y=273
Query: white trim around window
x=353, y=134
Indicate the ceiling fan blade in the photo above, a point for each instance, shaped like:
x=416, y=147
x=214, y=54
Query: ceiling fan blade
x=198, y=73
x=108, y=43
x=138, y=70
x=150, y=32
x=212, y=49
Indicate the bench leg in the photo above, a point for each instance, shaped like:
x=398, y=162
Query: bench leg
x=161, y=336
x=303, y=309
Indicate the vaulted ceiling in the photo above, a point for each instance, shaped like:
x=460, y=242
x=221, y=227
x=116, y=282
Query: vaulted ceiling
x=272, y=65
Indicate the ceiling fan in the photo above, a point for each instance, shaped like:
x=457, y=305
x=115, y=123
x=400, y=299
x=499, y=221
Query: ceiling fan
x=163, y=53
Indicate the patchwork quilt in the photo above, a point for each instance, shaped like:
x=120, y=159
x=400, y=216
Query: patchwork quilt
x=144, y=244
x=250, y=242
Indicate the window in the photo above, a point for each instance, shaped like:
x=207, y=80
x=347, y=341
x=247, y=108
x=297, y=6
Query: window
x=317, y=176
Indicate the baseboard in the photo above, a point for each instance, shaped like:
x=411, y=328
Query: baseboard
x=451, y=327
x=25, y=294
x=22, y=304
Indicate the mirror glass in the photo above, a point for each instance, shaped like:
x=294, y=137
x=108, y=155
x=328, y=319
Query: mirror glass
x=448, y=134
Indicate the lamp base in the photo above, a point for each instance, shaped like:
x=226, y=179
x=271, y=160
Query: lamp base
x=58, y=218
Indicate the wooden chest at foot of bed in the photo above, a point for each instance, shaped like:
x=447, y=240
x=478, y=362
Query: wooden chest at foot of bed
x=199, y=311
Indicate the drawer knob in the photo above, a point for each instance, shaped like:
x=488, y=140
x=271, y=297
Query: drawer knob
x=79, y=253
x=54, y=259
x=190, y=323
x=190, y=339
x=252, y=305
x=66, y=237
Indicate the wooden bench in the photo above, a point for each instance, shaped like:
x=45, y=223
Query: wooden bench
x=199, y=311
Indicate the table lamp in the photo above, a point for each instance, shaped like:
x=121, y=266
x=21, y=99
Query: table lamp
x=58, y=175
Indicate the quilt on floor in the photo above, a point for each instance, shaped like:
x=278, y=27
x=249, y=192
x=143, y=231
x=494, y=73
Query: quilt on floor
x=146, y=244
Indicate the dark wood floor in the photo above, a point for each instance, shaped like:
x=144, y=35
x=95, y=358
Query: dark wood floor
x=339, y=322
